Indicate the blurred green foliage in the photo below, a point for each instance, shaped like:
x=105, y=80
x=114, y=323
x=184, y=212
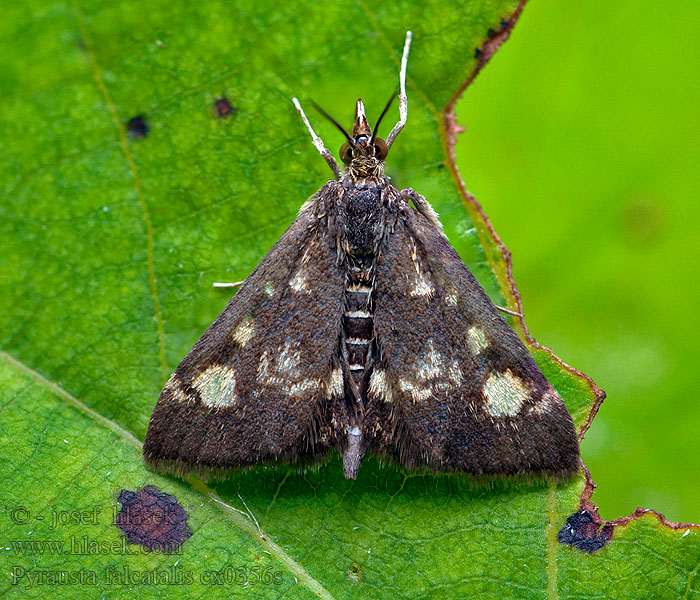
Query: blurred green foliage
x=582, y=145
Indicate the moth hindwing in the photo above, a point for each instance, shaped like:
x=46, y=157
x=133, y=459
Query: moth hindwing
x=362, y=330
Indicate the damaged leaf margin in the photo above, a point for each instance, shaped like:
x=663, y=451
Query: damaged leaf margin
x=500, y=261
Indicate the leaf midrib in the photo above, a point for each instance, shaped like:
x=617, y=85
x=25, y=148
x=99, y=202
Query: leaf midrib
x=131, y=164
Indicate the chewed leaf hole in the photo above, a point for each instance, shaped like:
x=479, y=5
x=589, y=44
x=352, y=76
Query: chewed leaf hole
x=583, y=532
x=355, y=572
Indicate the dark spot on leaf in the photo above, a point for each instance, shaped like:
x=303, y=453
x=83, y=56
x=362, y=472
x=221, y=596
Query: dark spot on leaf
x=355, y=572
x=490, y=33
x=477, y=52
x=153, y=519
x=137, y=127
x=223, y=108
x=584, y=533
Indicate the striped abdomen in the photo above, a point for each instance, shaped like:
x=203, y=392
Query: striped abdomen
x=358, y=322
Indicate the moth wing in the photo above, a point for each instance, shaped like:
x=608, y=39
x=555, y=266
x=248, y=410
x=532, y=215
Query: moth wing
x=454, y=387
x=262, y=383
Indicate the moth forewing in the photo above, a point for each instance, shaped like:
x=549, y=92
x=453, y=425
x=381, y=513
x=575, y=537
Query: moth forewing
x=464, y=391
x=261, y=384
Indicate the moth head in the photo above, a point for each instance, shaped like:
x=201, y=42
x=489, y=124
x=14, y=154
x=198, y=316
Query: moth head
x=363, y=153
x=364, y=149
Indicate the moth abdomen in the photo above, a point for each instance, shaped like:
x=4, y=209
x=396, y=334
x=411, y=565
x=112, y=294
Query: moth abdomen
x=358, y=317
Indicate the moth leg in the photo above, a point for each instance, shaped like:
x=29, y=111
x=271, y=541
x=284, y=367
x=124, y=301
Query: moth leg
x=510, y=312
x=403, y=101
x=423, y=207
x=318, y=142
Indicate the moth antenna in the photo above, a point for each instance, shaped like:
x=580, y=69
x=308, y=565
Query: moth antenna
x=226, y=284
x=332, y=120
x=318, y=142
x=403, y=101
x=379, y=120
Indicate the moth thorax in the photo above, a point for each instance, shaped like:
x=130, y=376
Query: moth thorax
x=366, y=166
x=362, y=217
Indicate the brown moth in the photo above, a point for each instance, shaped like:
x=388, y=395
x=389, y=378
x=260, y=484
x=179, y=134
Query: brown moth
x=362, y=330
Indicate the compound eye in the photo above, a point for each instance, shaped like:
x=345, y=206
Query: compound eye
x=380, y=148
x=346, y=153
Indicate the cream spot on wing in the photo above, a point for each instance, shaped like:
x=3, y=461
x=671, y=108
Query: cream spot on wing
x=336, y=388
x=269, y=289
x=173, y=387
x=549, y=398
x=264, y=375
x=455, y=373
x=179, y=396
x=172, y=383
x=216, y=386
x=451, y=297
x=289, y=359
x=379, y=385
x=419, y=393
x=422, y=286
x=281, y=373
x=476, y=339
x=431, y=363
x=435, y=375
x=505, y=394
x=244, y=331
x=299, y=282
x=301, y=388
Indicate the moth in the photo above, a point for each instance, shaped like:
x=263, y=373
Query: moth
x=362, y=330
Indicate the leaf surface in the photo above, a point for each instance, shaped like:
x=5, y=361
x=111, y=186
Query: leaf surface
x=112, y=237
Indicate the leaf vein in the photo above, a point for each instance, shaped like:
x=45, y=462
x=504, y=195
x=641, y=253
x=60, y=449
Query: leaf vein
x=97, y=75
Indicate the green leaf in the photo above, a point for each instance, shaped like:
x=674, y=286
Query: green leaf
x=111, y=242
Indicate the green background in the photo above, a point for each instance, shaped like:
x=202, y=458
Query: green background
x=582, y=144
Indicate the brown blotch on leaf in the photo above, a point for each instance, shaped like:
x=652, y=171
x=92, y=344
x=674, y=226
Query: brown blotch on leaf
x=584, y=532
x=137, y=127
x=153, y=519
x=223, y=108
